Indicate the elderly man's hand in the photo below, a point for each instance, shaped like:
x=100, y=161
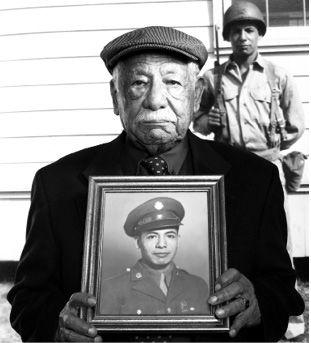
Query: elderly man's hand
x=234, y=288
x=71, y=328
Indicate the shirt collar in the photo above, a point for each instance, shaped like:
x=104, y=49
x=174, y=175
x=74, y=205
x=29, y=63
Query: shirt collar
x=175, y=157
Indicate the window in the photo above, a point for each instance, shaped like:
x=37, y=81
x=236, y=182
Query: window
x=287, y=21
x=280, y=13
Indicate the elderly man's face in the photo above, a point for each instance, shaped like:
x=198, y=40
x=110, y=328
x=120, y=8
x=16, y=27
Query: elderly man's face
x=155, y=95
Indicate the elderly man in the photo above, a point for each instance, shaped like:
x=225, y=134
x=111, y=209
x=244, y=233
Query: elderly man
x=156, y=89
x=155, y=285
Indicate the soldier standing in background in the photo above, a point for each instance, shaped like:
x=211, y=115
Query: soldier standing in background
x=238, y=103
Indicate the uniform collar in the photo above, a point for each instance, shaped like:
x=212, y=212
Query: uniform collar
x=156, y=275
x=258, y=63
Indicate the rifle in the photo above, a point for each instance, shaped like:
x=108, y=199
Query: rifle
x=219, y=100
x=216, y=63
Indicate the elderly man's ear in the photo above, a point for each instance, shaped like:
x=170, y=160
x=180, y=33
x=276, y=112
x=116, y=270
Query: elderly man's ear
x=199, y=88
x=113, y=92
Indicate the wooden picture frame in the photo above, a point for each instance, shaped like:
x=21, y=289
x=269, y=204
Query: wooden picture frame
x=110, y=254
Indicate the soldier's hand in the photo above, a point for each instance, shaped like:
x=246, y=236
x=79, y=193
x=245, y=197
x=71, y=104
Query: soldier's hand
x=213, y=117
x=234, y=288
x=71, y=328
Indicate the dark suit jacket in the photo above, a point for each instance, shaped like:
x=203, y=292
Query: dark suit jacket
x=50, y=267
x=136, y=293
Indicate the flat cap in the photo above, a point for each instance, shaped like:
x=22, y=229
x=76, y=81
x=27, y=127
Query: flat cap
x=154, y=38
x=154, y=214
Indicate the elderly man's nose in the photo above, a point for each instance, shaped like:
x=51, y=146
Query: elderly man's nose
x=156, y=97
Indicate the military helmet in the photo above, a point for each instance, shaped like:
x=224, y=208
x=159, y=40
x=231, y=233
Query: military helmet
x=243, y=11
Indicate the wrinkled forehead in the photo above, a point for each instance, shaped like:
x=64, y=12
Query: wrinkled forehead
x=153, y=62
x=155, y=58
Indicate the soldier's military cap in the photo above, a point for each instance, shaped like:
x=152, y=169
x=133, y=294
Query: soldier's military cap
x=155, y=214
x=154, y=38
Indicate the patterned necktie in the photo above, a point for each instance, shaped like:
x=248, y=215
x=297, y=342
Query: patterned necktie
x=156, y=165
x=163, y=284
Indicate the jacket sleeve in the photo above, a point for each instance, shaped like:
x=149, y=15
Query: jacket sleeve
x=291, y=106
x=36, y=297
x=274, y=281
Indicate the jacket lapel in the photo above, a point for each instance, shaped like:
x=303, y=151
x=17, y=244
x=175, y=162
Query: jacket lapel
x=177, y=285
x=207, y=161
x=144, y=283
x=107, y=160
x=105, y=163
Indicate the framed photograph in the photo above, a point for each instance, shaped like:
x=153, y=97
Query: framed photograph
x=153, y=249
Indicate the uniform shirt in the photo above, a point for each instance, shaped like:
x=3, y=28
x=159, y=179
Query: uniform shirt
x=137, y=293
x=248, y=106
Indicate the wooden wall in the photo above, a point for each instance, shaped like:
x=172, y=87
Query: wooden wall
x=54, y=88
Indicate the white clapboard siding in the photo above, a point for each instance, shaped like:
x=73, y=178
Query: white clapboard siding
x=17, y=178
x=289, y=61
x=20, y=4
x=59, y=123
x=55, y=97
x=46, y=149
x=299, y=223
x=105, y=16
x=13, y=224
x=53, y=71
x=74, y=44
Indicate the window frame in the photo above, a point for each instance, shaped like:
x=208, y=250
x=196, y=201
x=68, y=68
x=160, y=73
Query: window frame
x=276, y=39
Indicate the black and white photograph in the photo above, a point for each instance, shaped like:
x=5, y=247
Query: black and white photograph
x=137, y=90
x=150, y=246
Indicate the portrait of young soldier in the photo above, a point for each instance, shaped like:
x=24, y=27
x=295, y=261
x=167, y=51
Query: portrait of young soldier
x=155, y=285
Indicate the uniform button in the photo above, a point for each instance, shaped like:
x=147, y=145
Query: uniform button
x=169, y=310
x=128, y=269
x=138, y=275
x=138, y=311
